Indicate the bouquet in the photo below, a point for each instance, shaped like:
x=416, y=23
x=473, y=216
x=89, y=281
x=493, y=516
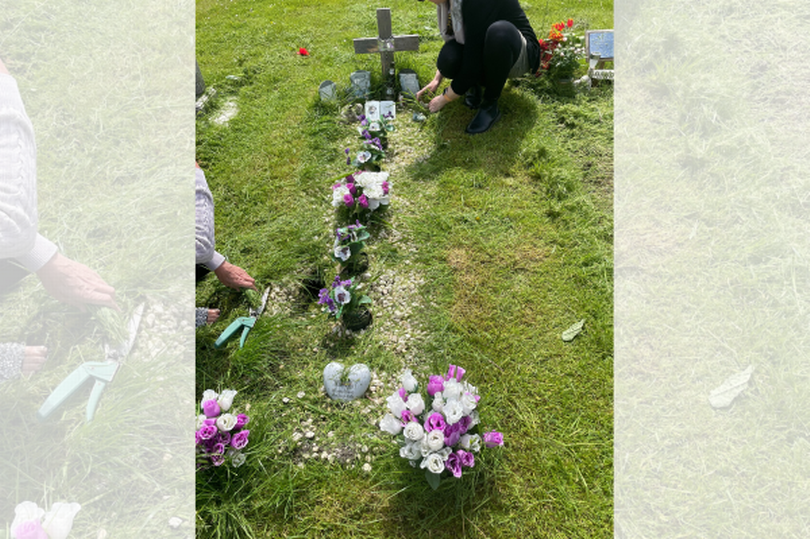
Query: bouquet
x=32, y=522
x=438, y=437
x=376, y=129
x=361, y=191
x=561, y=52
x=221, y=433
x=342, y=298
x=349, y=241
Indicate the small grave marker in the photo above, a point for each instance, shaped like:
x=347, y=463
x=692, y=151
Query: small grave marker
x=349, y=387
x=386, y=44
x=599, y=49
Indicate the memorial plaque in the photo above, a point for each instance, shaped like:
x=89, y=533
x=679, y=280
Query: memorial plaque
x=349, y=387
x=599, y=42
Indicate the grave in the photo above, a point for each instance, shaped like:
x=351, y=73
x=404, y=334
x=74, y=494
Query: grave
x=386, y=44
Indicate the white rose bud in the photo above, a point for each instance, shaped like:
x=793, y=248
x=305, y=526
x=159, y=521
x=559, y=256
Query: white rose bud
x=438, y=402
x=471, y=442
x=200, y=419
x=434, y=463
x=452, y=389
x=390, y=424
x=225, y=400
x=226, y=422
x=468, y=403
x=237, y=459
x=414, y=431
x=453, y=411
x=208, y=395
x=435, y=440
x=408, y=381
x=411, y=451
x=396, y=405
x=415, y=404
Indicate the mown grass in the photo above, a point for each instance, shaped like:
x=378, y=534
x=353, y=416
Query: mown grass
x=492, y=247
x=105, y=87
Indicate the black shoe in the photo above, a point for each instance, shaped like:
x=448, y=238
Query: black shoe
x=487, y=115
x=472, y=99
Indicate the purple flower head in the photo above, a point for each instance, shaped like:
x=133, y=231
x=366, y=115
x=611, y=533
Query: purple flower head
x=363, y=201
x=464, y=424
x=385, y=186
x=219, y=449
x=338, y=184
x=240, y=439
x=407, y=417
x=241, y=421
x=31, y=529
x=377, y=143
x=435, y=384
x=451, y=439
x=453, y=463
x=366, y=134
x=434, y=422
x=455, y=372
x=493, y=439
x=224, y=438
x=217, y=459
x=346, y=151
x=403, y=394
x=324, y=299
x=362, y=119
x=197, y=438
x=211, y=408
x=467, y=458
x=388, y=115
x=210, y=421
x=348, y=199
x=207, y=432
x=352, y=189
x=349, y=178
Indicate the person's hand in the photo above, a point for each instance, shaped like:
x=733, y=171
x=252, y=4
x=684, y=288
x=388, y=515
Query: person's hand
x=213, y=316
x=75, y=284
x=34, y=359
x=431, y=87
x=437, y=103
x=234, y=276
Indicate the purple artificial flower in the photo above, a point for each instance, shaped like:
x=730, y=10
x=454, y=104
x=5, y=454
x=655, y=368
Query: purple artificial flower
x=403, y=394
x=385, y=186
x=348, y=199
x=241, y=421
x=455, y=372
x=324, y=299
x=493, y=439
x=453, y=463
x=224, y=438
x=434, y=422
x=207, y=432
x=464, y=424
x=407, y=417
x=377, y=142
x=219, y=449
x=363, y=201
x=210, y=421
x=31, y=529
x=240, y=439
x=348, y=159
x=211, y=408
x=362, y=119
x=217, y=459
x=451, y=439
x=197, y=438
x=352, y=189
x=349, y=178
x=338, y=184
x=467, y=458
x=366, y=134
x=342, y=295
x=435, y=385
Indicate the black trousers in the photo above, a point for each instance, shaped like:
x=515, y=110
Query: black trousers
x=502, y=46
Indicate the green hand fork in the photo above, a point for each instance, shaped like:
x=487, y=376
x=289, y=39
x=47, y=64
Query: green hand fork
x=102, y=372
x=245, y=323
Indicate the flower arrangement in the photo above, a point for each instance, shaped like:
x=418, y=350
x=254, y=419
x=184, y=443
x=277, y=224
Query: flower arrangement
x=438, y=437
x=561, y=51
x=29, y=523
x=221, y=433
x=361, y=191
x=349, y=241
x=342, y=298
x=376, y=129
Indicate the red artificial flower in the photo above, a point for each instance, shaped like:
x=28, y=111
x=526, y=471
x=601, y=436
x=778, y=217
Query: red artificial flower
x=570, y=23
x=303, y=52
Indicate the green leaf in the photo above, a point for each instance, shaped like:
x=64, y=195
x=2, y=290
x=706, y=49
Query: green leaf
x=573, y=331
x=364, y=299
x=433, y=479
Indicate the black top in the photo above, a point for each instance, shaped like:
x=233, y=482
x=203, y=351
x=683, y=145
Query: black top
x=478, y=15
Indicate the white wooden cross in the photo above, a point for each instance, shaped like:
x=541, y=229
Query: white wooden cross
x=386, y=44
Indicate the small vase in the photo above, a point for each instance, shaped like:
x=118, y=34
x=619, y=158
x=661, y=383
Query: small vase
x=354, y=266
x=356, y=320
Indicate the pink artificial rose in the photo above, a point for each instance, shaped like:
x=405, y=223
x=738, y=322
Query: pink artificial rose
x=30, y=530
x=211, y=408
x=363, y=201
x=493, y=439
x=348, y=199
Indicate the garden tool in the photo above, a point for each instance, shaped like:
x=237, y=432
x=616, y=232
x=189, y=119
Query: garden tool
x=102, y=372
x=244, y=322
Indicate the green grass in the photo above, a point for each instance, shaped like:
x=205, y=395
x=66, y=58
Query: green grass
x=492, y=247
x=104, y=85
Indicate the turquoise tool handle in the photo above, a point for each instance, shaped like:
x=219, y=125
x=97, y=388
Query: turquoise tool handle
x=229, y=331
x=65, y=389
x=248, y=326
x=95, y=395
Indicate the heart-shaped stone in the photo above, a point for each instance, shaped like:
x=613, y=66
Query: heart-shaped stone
x=349, y=387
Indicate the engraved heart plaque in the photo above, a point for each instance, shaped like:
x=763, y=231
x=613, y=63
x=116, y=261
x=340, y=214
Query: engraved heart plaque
x=346, y=386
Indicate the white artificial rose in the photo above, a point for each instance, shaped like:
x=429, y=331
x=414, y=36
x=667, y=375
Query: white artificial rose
x=435, y=440
x=434, y=463
x=471, y=442
x=474, y=419
x=200, y=419
x=424, y=447
x=237, y=458
x=396, y=404
x=26, y=512
x=391, y=424
x=415, y=403
x=438, y=402
x=453, y=411
x=452, y=389
x=226, y=422
x=59, y=520
x=414, y=431
x=444, y=452
x=225, y=399
x=338, y=194
x=208, y=395
x=468, y=403
x=408, y=381
x=411, y=451
x=469, y=388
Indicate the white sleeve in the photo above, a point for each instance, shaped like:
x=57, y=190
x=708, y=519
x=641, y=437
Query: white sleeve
x=204, y=227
